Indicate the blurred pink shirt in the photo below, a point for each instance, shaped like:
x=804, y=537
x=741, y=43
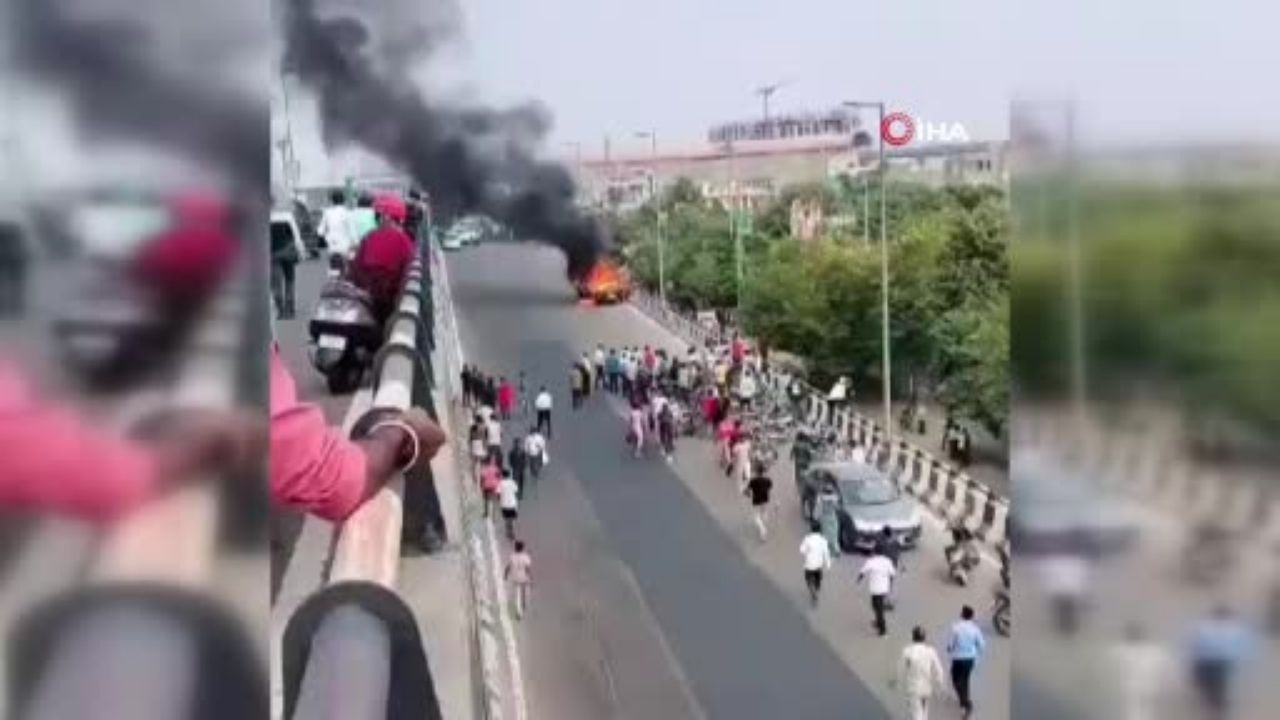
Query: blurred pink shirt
x=314, y=466
x=51, y=460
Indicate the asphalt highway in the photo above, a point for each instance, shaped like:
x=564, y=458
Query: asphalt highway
x=652, y=596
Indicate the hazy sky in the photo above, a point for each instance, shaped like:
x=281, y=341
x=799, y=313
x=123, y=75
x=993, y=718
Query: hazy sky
x=1140, y=70
x=606, y=66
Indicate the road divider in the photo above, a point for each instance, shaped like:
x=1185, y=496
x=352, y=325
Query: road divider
x=1152, y=470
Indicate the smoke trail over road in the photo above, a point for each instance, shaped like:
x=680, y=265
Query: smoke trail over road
x=111, y=60
x=470, y=159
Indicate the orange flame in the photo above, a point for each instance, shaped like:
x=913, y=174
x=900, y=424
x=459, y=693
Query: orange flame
x=606, y=281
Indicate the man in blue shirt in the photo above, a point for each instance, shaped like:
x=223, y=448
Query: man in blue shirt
x=1219, y=644
x=964, y=646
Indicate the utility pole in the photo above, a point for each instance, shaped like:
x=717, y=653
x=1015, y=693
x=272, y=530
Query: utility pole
x=884, y=270
x=866, y=211
x=579, y=179
x=652, y=136
x=1078, y=376
x=734, y=230
x=608, y=175
x=765, y=92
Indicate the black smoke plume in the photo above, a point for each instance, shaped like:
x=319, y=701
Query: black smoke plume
x=468, y=159
x=109, y=68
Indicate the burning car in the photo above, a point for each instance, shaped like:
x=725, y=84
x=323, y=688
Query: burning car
x=606, y=282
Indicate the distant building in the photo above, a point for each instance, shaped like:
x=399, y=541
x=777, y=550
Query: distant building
x=746, y=163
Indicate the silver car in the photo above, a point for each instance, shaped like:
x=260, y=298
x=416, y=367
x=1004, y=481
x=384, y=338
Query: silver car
x=869, y=502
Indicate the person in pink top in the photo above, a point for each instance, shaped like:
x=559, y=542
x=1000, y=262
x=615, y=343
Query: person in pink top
x=52, y=460
x=725, y=435
x=506, y=398
x=316, y=468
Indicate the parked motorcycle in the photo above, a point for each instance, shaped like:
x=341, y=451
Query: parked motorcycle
x=345, y=335
x=961, y=555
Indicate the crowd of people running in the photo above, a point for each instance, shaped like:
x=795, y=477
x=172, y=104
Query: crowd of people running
x=502, y=473
x=715, y=394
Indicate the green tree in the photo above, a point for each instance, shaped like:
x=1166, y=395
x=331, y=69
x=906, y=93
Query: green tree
x=975, y=356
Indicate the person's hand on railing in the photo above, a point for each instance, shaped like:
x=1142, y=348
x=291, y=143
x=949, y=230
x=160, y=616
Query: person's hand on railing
x=316, y=468
x=189, y=443
x=54, y=459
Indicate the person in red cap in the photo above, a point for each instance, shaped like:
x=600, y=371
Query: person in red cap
x=384, y=256
x=186, y=263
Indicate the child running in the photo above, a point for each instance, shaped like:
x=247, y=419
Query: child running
x=520, y=572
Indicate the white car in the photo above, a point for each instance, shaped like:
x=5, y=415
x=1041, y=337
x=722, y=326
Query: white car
x=451, y=241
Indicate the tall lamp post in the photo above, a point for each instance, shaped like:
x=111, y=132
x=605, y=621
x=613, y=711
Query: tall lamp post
x=580, y=180
x=866, y=212
x=652, y=136
x=765, y=92
x=884, y=266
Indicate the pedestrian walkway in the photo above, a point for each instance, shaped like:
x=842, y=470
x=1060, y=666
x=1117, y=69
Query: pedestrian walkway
x=843, y=618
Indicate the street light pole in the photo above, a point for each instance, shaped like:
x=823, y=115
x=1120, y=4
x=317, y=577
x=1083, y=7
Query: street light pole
x=884, y=271
x=733, y=222
x=657, y=210
x=765, y=92
x=579, y=180
x=866, y=212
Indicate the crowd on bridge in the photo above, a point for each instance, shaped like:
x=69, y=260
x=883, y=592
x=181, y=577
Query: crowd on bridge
x=373, y=242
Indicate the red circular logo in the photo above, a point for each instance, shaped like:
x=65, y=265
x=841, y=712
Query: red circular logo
x=897, y=128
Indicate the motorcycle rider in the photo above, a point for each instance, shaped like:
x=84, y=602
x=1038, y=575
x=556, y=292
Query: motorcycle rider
x=384, y=256
x=961, y=554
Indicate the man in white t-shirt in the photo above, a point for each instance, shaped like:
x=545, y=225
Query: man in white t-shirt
x=509, y=501
x=535, y=451
x=599, y=358
x=878, y=571
x=630, y=371
x=656, y=405
x=542, y=404
x=747, y=388
x=817, y=558
x=335, y=228
x=493, y=433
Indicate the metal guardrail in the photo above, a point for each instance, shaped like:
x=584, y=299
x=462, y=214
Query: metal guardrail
x=148, y=583
x=947, y=491
x=950, y=493
x=352, y=650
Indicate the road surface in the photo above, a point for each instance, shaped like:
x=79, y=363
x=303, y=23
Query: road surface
x=652, y=596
